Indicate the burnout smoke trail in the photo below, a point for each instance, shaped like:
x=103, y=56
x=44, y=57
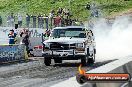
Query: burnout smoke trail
x=113, y=41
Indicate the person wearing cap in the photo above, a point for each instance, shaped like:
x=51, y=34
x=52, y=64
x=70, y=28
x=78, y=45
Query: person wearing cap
x=11, y=37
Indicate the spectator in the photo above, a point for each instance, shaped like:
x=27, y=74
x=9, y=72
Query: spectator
x=47, y=22
x=42, y=22
x=53, y=12
x=12, y=36
x=39, y=21
x=51, y=15
x=0, y=21
x=66, y=16
x=88, y=7
x=25, y=39
x=59, y=11
x=57, y=21
x=12, y=20
x=94, y=10
x=19, y=20
x=62, y=21
x=9, y=21
x=34, y=21
x=27, y=20
x=81, y=23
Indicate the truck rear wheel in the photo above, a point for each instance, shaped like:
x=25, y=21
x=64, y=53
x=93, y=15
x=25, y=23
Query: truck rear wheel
x=47, y=61
x=90, y=61
x=91, y=58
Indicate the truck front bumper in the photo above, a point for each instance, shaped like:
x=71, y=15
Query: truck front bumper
x=64, y=54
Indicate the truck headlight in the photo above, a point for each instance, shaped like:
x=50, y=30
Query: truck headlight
x=79, y=45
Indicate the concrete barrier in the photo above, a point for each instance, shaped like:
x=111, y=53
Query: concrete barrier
x=123, y=65
x=11, y=53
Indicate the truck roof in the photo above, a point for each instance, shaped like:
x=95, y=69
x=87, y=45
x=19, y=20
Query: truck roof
x=69, y=27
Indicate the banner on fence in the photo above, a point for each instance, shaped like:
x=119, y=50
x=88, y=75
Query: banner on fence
x=10, y=53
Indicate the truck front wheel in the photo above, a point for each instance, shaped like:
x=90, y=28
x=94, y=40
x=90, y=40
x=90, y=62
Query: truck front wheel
x=47, y=61
x=91, y=58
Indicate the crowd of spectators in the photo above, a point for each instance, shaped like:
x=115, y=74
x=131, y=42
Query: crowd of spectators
x=60, y=17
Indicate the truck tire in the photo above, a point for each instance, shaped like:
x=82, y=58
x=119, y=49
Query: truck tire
x=58, y=60
x=83, y=61
x=90, y=60
x=94, y=51
x=47, y=61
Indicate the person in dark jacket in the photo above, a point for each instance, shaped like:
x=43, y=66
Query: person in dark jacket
x=25, y=40
x=11, y=37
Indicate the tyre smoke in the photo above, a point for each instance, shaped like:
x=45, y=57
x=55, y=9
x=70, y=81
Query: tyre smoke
x=113, y=40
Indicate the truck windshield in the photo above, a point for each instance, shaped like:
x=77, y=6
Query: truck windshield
x=69, y=32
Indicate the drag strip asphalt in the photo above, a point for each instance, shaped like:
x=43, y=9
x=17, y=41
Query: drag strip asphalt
x=36, y=74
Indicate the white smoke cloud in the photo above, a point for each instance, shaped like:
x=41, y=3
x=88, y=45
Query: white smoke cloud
x=113, y=41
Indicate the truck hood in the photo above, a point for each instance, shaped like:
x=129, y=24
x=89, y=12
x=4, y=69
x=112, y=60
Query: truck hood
x=66, y=40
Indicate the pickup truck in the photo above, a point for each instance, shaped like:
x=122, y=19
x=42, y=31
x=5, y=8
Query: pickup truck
x=70, y=43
